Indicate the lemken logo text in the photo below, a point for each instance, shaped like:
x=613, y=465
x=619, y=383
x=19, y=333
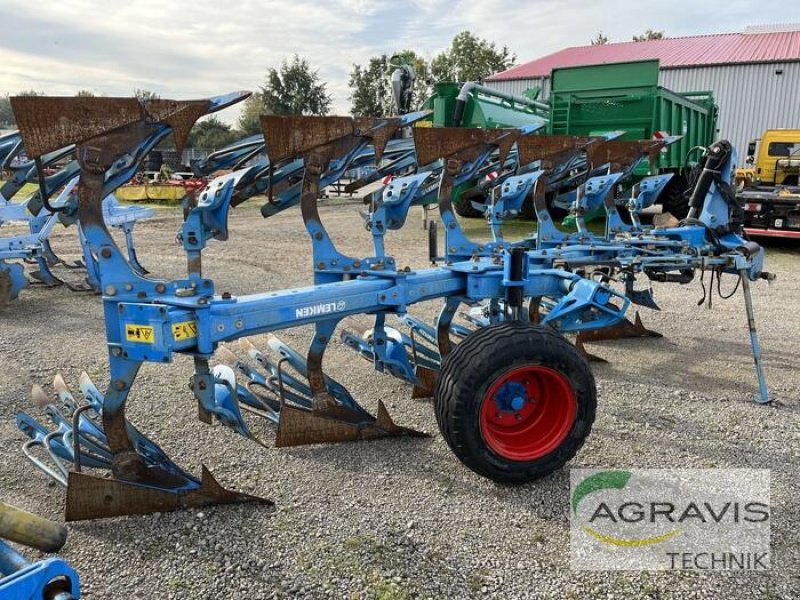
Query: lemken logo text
x=323, y=308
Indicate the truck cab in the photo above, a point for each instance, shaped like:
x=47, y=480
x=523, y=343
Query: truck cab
x=768, y=187
x=773, y=159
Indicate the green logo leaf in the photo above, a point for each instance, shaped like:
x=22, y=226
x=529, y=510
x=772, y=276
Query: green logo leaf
x=603, y=480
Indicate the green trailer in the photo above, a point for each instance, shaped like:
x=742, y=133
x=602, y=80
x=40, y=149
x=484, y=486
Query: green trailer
x=590, y=100
x=595, y=99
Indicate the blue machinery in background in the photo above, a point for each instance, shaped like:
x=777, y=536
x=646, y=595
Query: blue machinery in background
x=513, y=399
x=42, y=214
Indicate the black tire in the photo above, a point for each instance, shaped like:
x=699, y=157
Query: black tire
x=463, y=204
x=485, y=357
x=675, y=197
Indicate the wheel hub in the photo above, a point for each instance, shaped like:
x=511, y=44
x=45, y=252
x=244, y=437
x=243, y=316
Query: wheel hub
x=527, y=412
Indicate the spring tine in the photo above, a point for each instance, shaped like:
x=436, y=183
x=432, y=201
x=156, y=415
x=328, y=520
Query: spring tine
x=298, y=363
x=419, y=345
x=48, y=440
x=36, y=431
x=74, y=424
x=254, y=403
x=26, y=449
x=83, y=458
x=288, y=380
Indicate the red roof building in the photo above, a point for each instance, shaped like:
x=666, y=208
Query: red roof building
x=755, y=75
x=681, y=52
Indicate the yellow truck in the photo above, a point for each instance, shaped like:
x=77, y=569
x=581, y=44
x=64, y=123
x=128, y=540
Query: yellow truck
x=768, y=186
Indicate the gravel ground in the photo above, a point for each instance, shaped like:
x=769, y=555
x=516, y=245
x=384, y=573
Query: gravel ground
x=402, y=518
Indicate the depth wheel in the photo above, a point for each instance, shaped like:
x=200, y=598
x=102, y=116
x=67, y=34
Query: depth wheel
x=515, y=401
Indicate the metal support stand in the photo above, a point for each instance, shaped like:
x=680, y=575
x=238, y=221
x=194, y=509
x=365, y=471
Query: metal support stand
x=763, y=397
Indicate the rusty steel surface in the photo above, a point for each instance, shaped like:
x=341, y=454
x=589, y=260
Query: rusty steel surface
x=552, y=149
x=5, y=287
x=621, y=154
x=49, y=123
x=298, y=427
x=180, y=115
x=426, y=382
x=90, y=497
x=290, y=136
x=625, y=329
x=433, y=143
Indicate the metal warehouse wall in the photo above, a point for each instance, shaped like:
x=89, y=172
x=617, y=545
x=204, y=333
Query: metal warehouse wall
x=517, y=86
x=751, y=98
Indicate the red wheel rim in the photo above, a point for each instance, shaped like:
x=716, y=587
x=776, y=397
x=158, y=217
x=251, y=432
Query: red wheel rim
x=542, y=422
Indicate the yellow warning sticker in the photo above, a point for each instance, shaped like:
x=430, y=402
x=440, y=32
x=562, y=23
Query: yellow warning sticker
x=423, y=124
x=140, y=333
x=184, y=331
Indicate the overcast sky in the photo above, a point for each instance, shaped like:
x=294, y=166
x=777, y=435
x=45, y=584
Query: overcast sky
x=206, y=47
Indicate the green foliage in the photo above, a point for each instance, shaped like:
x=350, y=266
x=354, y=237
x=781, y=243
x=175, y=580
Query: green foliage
x=252, y=109
x=600, y=40
x=295, y=89
x=471, y=58
x=211, y=134
x=649, y=35
x=371, y=86
x=6, y=114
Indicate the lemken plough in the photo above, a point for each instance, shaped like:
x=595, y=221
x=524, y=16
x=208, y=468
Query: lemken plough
x=513, y=398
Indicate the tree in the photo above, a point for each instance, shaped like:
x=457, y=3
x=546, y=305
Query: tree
x=210, y=134
x=600, y=40
x=371, y=84
x=649, y=35
x=470, y=58
x=145, y=95
x=6, y=114
x=295, y=89
x=371, y=89
x=85, y=94
x=252, y=109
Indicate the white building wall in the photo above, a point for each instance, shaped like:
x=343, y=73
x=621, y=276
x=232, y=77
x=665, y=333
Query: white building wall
x=751, y=98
